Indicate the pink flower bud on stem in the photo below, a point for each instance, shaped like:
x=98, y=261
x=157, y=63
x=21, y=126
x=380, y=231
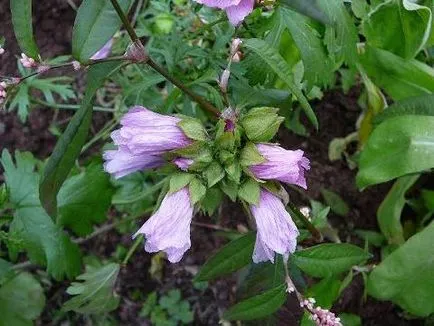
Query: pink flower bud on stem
x=27, y=62
x=136, y=52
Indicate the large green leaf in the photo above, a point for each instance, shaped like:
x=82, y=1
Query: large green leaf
x=341, y=36
x=84, y=200
x=401, y=27
x=329, y=259
x=308, y=8
x=69, y=146
x=95, y=24
x=258, y=306
x=318, y=68
x=418, y=105
x=45, y=242
x=21, y=11
x=283, y=71
x=230, y=258
x=21, y=300
x=400, y=78
x=406, y=276
x=389, y=212
x=397, y=147
x=95, y=294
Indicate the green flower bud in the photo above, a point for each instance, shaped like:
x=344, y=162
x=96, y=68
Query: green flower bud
x=261, y=124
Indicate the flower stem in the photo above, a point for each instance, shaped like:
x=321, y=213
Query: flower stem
x=311, y=228
x=195, y=97
x=133, y=248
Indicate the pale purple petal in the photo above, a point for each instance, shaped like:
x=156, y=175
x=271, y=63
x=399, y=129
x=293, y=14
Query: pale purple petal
x=222, y=4
x=104, y=52
x=237, y=13
x=281, y=164
x=183, y=163
x=121, y=162
x=168, y=229
x=147, y=132
x=277, y=233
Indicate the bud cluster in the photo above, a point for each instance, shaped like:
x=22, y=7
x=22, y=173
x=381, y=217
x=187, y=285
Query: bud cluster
x=321, y=317
x=3, y=93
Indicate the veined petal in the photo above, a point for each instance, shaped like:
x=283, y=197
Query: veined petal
x=222, y=4
x=237, y=13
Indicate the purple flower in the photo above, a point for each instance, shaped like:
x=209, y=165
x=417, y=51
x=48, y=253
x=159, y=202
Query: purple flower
x=143, y=137
x=168, y=229
x=183, y=163
x=277, y=233
x=281, y=164
x=104, y=52
x=236, y=10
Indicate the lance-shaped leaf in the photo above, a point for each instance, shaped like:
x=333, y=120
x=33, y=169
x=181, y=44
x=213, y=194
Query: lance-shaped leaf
x=96, y=22
x=95, y=294
x=21, y=11
x=310, y=8
x=45, y=242
x=69, y=146
x=279, y=66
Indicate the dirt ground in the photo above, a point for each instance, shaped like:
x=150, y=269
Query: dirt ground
x=337, y=115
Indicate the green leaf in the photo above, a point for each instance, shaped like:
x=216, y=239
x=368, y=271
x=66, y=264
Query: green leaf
x=261, y=124
x=397, y=147
x=336, y=203
x=21, y=101
x=389, y=212
x=84, y=200
x=214, y=173
x=418, y=105
x=233, y=256
x=405, y=277
x=318, y=68
x=6, y=271
x=308, y=8
x=45, y=242
x=193, y=128
x=212, y=200
x=329, y=259
x=325, y=292
x=69, y=146
x=230, y=188
x=179, y=181
x=250, y=191
x=401, y=27
x=350, y=319
x=341, y=36
x=258, y=306
x=372, y=237
x=197, y=191
x=400, y=78
x=283, y=71
x=250, y=155
x=95, y=294
x=21, y=11
x=21, y=301
x=95, y=24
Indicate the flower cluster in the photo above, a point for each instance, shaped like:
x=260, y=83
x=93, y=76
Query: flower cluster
x=321, y=317
x=239, y=162
x=236, y=10
x=28, y=62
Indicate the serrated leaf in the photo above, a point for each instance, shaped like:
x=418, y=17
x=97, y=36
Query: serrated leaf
x=329, y=259
x=258, y=306
x=397, y=147
x=405, y=277
x=95, y=294
x=197, y=191
x=179, y=181
x=21, y=11
x=250, y=191
x=389, y=212
x=230, y=188
x=21, y=102
x=275, y=61
x=230, y=258
x=212, y=200
x=84, y=200
x=45, y=242
x=21, y=300
x=69, y=146
x=214, y=173
x=250, y=155
x=318, y=68
x=325, y=292
x=95, y=24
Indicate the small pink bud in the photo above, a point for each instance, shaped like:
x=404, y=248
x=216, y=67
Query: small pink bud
x=136, y=52
x=224, y=80
x=2, y=51
x=236, y=57
x=27, y=62
x=76, y=65
x=42, y=68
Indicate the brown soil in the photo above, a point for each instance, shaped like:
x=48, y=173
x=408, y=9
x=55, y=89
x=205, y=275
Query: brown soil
x=337, y=114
